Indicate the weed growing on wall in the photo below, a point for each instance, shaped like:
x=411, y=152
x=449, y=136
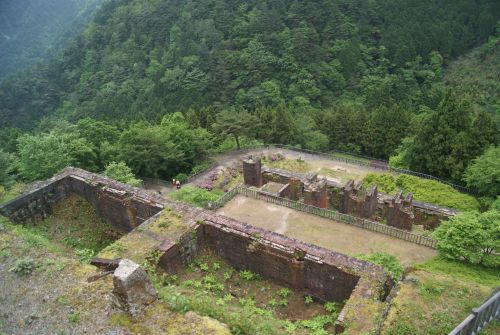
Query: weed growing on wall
x=243, y=300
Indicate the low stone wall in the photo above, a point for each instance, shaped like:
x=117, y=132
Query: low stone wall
x=122, y=206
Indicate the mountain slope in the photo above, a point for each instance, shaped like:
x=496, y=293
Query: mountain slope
x=476, y=74
x=148, y=58
x=29, y=29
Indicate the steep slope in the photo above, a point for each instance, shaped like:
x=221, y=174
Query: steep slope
x=148, y=58
x=476, y=74
x=29, y=29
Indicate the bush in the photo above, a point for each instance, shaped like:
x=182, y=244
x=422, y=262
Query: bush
x=389, y=262
x=472, y=237
x=430, y=191
x=484, y=173
x=182, y=177
x=23, y=267
x=121, y=172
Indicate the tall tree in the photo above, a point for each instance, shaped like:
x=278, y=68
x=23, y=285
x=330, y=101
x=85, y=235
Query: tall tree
x=231, y=122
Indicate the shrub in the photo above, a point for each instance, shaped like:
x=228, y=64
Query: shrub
x=182, y=177
x=430, y=191
x=23, y=267
x=389, y=262
x=484, y=173
x=121, y=172
x=472, y=236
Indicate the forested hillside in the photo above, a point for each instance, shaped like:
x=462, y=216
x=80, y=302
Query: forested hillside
x=477, y=74
x=363, y=76
x=29, y=29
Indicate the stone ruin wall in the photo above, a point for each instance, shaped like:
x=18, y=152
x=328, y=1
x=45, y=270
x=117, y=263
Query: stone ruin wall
x=118, y=204
x=352, y=199
x=322, y=273
x=306, y=268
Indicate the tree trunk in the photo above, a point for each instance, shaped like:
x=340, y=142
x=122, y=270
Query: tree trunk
x=237, y=142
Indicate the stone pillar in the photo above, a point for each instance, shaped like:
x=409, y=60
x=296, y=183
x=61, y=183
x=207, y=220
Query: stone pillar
x=316, y=194
x=345, y=197
x=400, y=212
x=370, y=202
x=252, y=174
x=132, y=288
x=295, y=189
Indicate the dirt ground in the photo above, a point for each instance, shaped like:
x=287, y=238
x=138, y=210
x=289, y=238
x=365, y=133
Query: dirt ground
x=52, y=295
x=332, y=169
x=329, y=234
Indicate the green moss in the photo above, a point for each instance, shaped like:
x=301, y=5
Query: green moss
x=424, y=190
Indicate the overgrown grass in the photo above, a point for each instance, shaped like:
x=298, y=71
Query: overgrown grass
x=463, y=271
x=74, y=226
x=293, y=165
x=242, y=300
x=432, y=304
x=8, y=194
x=424, y=190
x=389, y=262
x=195, y=196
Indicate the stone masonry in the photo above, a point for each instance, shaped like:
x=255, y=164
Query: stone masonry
x=356, y=201
x=252, y=174
x=316, y=193
x=322, y=273
x=400, y=212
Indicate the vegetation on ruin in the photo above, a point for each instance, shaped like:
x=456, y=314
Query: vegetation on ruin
x=243, y=300
x=153, y=88
x=424, y=190
x=75, y=227
x=389, y=262
x=429, y=303
x=195, y=196
x=293, y=165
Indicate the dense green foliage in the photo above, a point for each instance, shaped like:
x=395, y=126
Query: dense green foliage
x=389, y=262
x=424, y=190
x=158, y=84
x=121, y=172
x=5, y=167
x=476, y=75
x=484, y=173
x=448, y=139
x=29, y=30
x=473, y=237
x=320, y=74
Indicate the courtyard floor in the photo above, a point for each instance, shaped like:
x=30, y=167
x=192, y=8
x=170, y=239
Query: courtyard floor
x=323, y=232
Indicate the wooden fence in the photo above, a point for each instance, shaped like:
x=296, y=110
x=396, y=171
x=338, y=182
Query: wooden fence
x=480, y=317
x=326, y=213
